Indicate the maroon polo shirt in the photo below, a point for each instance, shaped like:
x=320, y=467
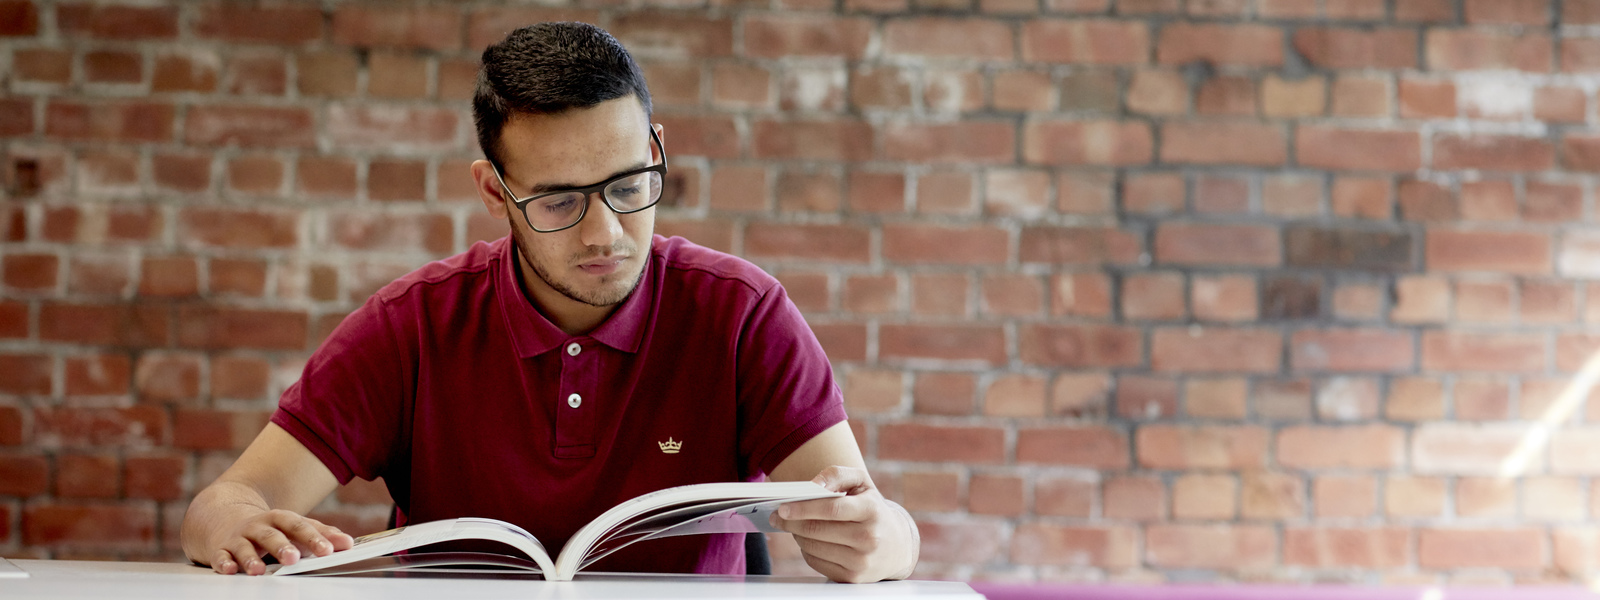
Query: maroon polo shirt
x=454, y=388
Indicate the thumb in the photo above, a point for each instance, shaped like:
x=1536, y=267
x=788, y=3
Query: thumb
x=842, y=479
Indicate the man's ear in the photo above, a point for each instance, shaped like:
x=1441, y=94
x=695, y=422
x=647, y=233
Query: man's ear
x=489, y=189
x=660, y=136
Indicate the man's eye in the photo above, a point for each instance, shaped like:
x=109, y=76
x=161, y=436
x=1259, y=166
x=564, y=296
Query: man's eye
x=561, y=205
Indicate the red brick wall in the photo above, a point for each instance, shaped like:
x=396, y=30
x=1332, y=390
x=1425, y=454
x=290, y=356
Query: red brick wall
x=1117, y=290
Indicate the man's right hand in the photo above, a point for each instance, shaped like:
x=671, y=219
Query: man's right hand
x=255, y=508
x=283, y=534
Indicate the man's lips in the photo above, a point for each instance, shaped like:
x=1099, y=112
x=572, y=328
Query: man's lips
x=602, y=266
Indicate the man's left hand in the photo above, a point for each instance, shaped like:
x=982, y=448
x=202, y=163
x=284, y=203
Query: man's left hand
x=856, y=538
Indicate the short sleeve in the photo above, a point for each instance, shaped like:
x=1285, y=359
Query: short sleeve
x=347, y=406
x=787, y=393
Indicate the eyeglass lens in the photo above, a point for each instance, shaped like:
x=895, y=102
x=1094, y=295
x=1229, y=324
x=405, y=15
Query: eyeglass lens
x=632, y=193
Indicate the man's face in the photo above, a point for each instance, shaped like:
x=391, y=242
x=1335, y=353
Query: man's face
x=599, y=261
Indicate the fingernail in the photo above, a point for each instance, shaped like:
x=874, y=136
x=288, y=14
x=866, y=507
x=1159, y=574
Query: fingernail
x=783, y=511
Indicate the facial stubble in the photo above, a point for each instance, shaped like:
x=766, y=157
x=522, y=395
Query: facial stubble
x=598, y=299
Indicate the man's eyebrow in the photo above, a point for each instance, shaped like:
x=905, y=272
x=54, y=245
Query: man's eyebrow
x=553, y=187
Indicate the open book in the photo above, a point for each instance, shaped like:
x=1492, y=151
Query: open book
x=684, y=510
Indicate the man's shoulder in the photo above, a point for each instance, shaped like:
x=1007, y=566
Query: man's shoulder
x=454, y=274
x=693, y=265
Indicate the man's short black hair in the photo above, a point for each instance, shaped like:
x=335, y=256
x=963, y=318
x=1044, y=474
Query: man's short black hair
x=548, y=68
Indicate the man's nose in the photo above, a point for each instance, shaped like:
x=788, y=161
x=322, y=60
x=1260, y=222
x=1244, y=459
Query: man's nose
x=600, y=226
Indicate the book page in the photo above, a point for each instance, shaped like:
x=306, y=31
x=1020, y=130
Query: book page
x=667, y=515
x=435, y=562
x=423, y=534
x=577, y=549
x=651, y=523
x=744, y=517
x=9, y=570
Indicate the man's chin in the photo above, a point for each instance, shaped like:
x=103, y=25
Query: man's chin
x=603, y=297
x=610, y=290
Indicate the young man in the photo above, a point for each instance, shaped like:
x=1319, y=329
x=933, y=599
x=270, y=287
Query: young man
x=537, y=379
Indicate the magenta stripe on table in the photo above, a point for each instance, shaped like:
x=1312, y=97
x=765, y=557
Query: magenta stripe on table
x=1042, y=591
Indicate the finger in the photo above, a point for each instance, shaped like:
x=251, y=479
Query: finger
x=829, y=568
x=302, y=532
x=223, y=563
x=339, y=539
x=843, y=479
x=274, y=542
x=846, y=508
x=845, y=556
x=247, y=556
x=860, y=536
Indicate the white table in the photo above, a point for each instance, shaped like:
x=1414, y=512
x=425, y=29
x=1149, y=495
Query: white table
x=68, y=580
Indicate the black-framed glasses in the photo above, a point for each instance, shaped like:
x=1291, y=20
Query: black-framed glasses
x=629, y=192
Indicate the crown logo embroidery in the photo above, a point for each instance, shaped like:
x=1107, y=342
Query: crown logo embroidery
x=669, y=446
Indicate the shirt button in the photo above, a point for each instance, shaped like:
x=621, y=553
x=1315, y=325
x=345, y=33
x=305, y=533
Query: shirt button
x=574, y=400
x=573, y=349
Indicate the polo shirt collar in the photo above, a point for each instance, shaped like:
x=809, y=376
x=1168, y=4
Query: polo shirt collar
x=533, y=334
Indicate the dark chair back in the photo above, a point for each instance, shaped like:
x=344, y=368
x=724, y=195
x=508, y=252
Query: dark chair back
x=757, y=561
